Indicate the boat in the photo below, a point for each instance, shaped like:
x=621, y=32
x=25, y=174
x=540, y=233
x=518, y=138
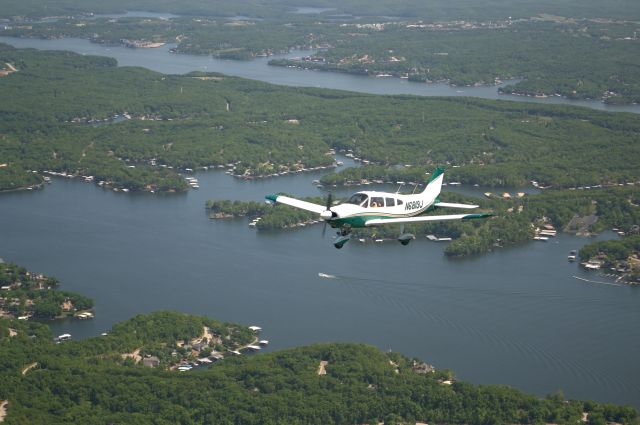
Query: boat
x=63, y=337
x=572, y=255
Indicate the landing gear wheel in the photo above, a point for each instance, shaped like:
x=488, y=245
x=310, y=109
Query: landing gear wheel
x=340, y=241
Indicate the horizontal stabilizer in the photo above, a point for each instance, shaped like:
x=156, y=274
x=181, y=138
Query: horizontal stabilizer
x=297, y=203
x=450, y=205
x=425, y=218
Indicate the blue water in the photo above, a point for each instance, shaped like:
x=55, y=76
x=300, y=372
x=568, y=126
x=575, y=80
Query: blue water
x=515, y=316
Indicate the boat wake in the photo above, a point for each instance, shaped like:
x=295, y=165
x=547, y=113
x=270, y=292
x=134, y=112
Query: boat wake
x=595, y=281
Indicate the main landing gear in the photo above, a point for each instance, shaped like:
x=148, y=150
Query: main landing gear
x=405, y=238
x=344, y=235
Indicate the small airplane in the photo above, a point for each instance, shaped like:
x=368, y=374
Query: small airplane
x=370, y=208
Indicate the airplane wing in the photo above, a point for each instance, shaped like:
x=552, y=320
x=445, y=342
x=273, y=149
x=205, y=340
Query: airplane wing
x=418, y=219
x=318, y=209
x=450, y=205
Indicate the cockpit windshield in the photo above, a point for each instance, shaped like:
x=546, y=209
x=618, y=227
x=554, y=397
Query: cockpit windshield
x=358, y=199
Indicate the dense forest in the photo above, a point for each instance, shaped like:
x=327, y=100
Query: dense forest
x=90, y=381
x=201, y=120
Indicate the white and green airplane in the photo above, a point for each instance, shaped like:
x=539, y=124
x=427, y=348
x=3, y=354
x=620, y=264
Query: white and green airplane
x=370, y=208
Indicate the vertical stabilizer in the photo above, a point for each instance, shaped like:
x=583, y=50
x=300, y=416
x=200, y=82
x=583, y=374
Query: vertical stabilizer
x=435, y=184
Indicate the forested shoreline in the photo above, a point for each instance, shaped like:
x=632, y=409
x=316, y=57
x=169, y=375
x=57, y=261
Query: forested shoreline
x=576, y=58
x=26, y=295
x=91, y=381
x=256, y=129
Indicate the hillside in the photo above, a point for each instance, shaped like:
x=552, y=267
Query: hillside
x=90, y=381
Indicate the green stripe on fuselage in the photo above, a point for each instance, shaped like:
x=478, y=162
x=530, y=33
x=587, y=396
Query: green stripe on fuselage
x=360, y=219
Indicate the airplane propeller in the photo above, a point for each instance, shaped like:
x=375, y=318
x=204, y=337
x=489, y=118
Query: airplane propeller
x=327, y=214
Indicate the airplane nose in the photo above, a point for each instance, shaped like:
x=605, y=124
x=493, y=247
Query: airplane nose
x=326, y=215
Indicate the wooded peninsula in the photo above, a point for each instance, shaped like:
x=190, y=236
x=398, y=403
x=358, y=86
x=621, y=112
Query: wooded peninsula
x=137, y=373
x=25, y=295
x=138, y=128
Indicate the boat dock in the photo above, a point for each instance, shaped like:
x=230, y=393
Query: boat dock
x=192, y=181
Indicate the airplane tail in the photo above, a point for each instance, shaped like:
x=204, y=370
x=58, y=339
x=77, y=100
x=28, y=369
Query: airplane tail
x=435, y=184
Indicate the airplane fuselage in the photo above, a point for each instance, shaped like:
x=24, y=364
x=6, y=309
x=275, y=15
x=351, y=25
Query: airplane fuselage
x=368, y=205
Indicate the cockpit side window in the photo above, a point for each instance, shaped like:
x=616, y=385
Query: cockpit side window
x=399, y=201
x=376, y=202
x=390, y=202
x=358, y=199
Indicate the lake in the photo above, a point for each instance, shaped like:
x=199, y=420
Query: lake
x=515, y=316
x=162, y=60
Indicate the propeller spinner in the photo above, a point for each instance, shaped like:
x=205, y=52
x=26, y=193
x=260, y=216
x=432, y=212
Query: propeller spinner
x=327, y=214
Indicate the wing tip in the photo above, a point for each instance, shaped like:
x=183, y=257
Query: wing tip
x=272, y=198
x=476, y=216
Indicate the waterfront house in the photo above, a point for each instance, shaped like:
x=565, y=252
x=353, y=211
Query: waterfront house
x=198, y=346
x=151, y=361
